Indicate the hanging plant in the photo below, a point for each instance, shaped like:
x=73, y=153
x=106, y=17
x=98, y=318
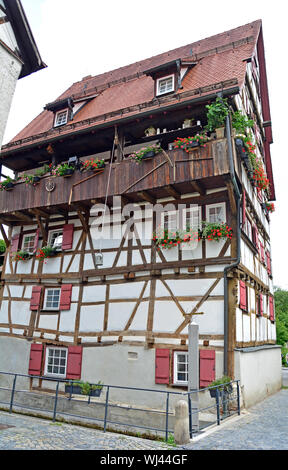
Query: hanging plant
x=213, y=231
x=259, y=175
x=240, y=122
x=269, y=206
x=166, y=239
x=145, y=152
x=46, y=252
x=188, y=143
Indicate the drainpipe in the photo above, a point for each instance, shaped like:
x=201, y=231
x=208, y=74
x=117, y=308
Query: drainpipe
x=238, y=234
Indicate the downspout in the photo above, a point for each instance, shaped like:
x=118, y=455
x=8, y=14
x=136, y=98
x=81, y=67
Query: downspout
x=238, y=234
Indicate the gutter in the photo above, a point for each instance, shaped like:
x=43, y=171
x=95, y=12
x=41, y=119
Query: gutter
x=236, y=263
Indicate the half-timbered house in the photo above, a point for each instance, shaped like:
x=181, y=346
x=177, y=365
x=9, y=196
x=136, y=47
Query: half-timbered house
x=111, y=301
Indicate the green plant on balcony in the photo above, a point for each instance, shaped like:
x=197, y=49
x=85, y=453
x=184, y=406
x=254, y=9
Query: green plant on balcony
x=31, y=180
x=7, y=184
x=145, y=152
x=92, y=164
x=240, y=122
x=216, y=114
x=63, y=169
x=215, y=231
x=188, y=143
x=259, y=175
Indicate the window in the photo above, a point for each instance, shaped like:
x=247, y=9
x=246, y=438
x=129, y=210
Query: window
x=52, y=299
x=170, y=220
x=61, y=118
x=193, y=217
x=28, y=243
x=216, y=213
x=180, y=368
x=55, y=238
x=56, y=361
x=165, y=85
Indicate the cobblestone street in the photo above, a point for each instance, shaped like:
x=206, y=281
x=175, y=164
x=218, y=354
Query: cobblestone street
x=264, y=426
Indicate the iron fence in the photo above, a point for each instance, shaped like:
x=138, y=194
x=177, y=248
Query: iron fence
x=205, y=407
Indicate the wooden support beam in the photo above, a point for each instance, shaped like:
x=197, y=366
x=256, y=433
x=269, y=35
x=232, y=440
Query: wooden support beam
x=231, y=197
x=83, y=221
x=172, y=192
x=42, y=230
x=198, y=187
x=40, y=212
x=147, y=197
x=22, y=216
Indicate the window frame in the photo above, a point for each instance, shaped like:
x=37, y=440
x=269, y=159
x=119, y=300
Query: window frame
x=30, y=250
x=176, y=381
x=50, y=235
x=167, y=77
x=212, y=206
x=45, y=307
x=62, y=111
x=52, y=374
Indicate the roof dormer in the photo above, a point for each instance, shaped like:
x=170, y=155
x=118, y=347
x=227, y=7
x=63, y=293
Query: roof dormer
x=63, y=111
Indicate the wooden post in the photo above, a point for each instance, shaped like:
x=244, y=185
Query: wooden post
x=193, y=372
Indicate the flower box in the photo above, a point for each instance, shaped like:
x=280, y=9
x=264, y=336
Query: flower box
x=68, y=172
x=9, y=186
x=84, y=389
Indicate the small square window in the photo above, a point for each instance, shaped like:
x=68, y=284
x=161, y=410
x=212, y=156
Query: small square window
x=56, y=361
x=61, y=118
x=180, y=368
x=165, y=85
x=28, y=243
x=52, y=299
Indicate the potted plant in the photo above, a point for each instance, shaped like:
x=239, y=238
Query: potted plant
x=46, y=252
x=223, y=385
x=21, y=256
x=145, y=153
x=188, y=143
x=7, y=184
x=63, y=169
x=269, y=206
x=150, y=131
x=33, y=180
x=216, y=116
x=240, y=123
x=92, y=165
x=84, y=388
x=215, y=231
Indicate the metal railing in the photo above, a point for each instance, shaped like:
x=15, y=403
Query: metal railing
x=225, y=403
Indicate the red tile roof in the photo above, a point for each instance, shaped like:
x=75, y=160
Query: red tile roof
x=126, y=90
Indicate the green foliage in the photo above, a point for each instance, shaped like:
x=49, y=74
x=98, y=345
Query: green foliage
x=240, y=122
x=2, y=247
x=281, y=309
x=217, y=113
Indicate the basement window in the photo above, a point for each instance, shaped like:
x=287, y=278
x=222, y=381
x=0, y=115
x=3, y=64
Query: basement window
x=56, y=361
x=61, y=118
x=165, y=85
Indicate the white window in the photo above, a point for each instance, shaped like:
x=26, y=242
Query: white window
x=28, y=243
x=56, y=361
x=180, y=368
x=61, y=118
x=192, y=217
x=52, y=299
x=170, y=220
x=165, y=85
x=216, y=213
x=55, y=239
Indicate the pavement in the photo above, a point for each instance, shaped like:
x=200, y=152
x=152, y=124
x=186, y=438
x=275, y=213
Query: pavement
x=263, y=427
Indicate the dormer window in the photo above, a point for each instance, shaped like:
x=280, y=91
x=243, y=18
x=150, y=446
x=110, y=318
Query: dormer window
x=61, y=118
x=165, y=84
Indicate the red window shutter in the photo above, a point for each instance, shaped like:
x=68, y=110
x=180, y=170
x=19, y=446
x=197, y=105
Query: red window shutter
x=36, y=239
x=74, y=363
x=271, y=309
x=35, y=362
x=35, y=298
x=206, y=367
x=162, y=366
x=255, y=237
x=262, y=252
x=68, y=232
x=65, y=298
x=243, y=296
x=261, y=304
x=268, y=261
x=15, y=243
x=243, y=208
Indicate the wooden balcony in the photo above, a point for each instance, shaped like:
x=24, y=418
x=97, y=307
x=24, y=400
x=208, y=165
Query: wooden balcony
x=173, y=172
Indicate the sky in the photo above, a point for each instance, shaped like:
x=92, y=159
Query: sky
x=76, y=39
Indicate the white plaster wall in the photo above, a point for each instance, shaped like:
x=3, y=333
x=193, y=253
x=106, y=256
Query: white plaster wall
x=259, y=372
